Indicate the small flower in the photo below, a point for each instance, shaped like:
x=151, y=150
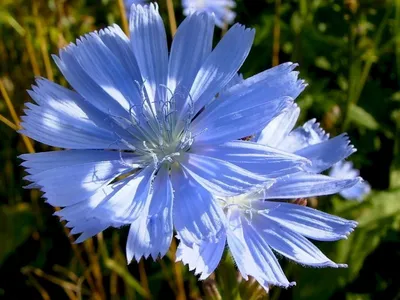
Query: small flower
x=149, y=144
x=345, y=169
x=255, y=228
x=222, y=9
x=312, y=134
x=257, y=223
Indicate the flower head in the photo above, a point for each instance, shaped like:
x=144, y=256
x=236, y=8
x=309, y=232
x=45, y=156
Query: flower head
x=257, y=223
x=152, y=135
x=345, y=169
x=222, y=9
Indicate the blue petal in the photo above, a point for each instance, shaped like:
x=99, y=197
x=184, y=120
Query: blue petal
x=303, y=185
x=59, y=120
x=151, y=233
x=220, y=177
x=279, y=128
x=122, y=202
x=309, y=134
x=68, y=177
x=344, y=169
x=217, y=70
x=256, y=158
x=98, y=75
x=252, y=254
x=357, y=192
x=191, y=45
x=219, y=9
x=294, y=246
x=149, y=44
x=87, y=229
x=43, y=161
x=197, y=215
x=250, y=105
x=203, y=258
x=248, y=112
x=306, y=221
x=325, y=154
x=277, y=81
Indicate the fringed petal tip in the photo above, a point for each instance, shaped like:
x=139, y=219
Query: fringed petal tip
x=314, y=126
x=243, y=28
x=151, y=5
x=268, y=285
x=133, y=257
x=331, y=264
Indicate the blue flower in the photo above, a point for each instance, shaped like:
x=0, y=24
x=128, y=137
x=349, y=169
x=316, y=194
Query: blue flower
x=222, y=9
x=257, y=223
x=312, y=134
x=344, y=169
x=149, y=144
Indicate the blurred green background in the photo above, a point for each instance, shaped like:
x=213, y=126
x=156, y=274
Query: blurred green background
x=349, y=53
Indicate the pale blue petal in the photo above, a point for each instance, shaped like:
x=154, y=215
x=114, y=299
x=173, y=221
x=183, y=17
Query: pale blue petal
x=119, y=44
x=345, y=169
x=357, y=192
x=122, y=202
x=238, y=78
x=59, y=120
x=294, y=246
x=303, y=185
x=246, y=112
x=277, y=82
x=87, y=229
x=279, y=128
x=250, y=105
x=220, y=67
x=256, y=158
x=151, y=233
x=111, y=84
x=203, y=258
x=197, y=215
x=325, y=154
x=309, y=134
x=191, y=45
x=44, y=161
x=98, y=75
x=252, y=254
x=220, y=177
x=149, y=44
x=221, y=9
x=305, y=221
x=73, y=175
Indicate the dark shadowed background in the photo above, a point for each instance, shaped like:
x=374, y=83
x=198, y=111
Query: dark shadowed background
x=349, y=53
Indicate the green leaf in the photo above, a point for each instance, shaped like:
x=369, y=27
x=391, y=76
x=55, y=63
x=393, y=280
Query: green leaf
x=362, y=118
x=17, y=222
x=376, y=216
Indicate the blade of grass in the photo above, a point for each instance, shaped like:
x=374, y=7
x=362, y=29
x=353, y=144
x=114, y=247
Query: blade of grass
x=95, y=267
x=14, y=116
x=171, y=17
x=42, y=41
x=31, y=53
x=143, y=277
x=276, y=33
x=126, y=276
x=8, y=123
x=32, y=280
x=181, y=295
x=124, y=17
